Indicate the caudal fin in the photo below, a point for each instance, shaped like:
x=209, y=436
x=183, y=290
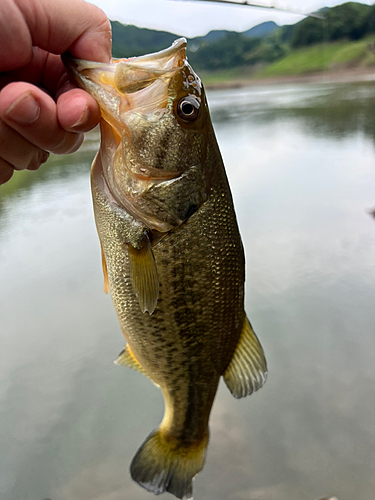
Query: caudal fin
x=161, y=464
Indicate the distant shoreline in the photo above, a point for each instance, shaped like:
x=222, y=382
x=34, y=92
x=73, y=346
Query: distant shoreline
x=342, y=76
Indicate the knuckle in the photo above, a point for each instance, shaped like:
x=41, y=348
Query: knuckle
x=34, y=163
x=68, y=143
x=18, y=157
x=103, y=22
x=6, y=171
x=76, y=144
x=58, y=143
x=3, y=135
x=43, y=157
x=38, y=159
x=17, y=152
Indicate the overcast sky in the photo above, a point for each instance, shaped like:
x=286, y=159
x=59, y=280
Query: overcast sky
x=192, y=18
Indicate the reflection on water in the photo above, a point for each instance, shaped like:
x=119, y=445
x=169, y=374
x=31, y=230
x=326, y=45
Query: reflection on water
x=325, y=110
x=301, y=164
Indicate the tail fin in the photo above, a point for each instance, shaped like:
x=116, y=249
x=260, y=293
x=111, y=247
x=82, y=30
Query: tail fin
x=163, y=465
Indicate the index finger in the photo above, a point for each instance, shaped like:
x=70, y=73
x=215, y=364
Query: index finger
x=58, y=26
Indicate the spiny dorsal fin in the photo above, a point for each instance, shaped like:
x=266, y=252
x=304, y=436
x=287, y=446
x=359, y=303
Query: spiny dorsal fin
x=144, y=275
x=247, y=370
x=127, y=358
x=105, y=273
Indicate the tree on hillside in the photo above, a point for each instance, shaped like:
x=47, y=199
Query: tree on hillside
x=343, y=21
x=308, y=32
x=228, y=52
x=129, y=40
x=368, y=24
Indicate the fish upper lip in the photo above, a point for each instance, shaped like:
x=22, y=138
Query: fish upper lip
x=150, y=59
x=157, y=64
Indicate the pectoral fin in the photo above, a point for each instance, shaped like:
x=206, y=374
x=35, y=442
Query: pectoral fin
x=144, y=275
x=247, y=370
x=105, y=273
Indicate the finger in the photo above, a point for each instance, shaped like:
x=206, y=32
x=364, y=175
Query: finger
x=6, y=171
x=77, y=111
x=19, y=152
x=15, y=38
x=43, y=70
x=57, y=26
x=33, y=114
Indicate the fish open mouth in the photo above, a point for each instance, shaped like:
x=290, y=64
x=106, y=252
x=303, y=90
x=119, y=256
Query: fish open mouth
x=149, y=105
x=129, y=90
x=132, y=90
x=117, y=84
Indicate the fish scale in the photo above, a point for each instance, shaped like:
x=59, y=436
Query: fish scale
x=208, y=333
x=172, y=254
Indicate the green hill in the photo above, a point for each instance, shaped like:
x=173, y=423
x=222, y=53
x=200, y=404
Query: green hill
x=211, y=37
x=343, y=21
x=316, y=58
x=128, y=40
x=343, y=39
x=261, y=30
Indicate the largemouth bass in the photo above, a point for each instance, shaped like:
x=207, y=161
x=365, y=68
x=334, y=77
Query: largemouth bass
x=172, y=254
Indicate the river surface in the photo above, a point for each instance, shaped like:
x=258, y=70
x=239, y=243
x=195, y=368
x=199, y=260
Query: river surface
x=301, y=164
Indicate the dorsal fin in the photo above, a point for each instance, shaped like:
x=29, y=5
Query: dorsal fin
x=247, y=370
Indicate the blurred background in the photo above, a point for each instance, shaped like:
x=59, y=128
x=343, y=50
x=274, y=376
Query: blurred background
x=293, y=105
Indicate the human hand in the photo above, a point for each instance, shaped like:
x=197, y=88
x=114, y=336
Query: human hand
x=41, y=112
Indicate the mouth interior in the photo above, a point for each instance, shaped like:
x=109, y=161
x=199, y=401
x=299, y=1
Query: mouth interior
x=128, y=76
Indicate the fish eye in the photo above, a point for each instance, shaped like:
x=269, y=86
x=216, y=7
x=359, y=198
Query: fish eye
x=188, y=108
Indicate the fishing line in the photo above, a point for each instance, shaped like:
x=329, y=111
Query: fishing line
x=276, y=6
x=268, y=5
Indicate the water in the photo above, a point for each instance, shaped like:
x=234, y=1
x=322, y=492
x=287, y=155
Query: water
x=300, y=160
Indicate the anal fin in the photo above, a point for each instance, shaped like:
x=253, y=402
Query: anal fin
x=247, y=370
x=127, y=358
x=144, y=275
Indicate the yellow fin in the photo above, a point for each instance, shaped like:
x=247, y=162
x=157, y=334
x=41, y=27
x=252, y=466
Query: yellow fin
x=127, y=358
x=247, y=370
x=163, y=464
x=144, y=275
x=105, y=273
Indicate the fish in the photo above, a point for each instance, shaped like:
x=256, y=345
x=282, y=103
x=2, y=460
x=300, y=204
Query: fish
x=172, y=255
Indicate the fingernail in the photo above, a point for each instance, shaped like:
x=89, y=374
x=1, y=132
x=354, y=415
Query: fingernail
x=82, y=119
x=25, y=110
